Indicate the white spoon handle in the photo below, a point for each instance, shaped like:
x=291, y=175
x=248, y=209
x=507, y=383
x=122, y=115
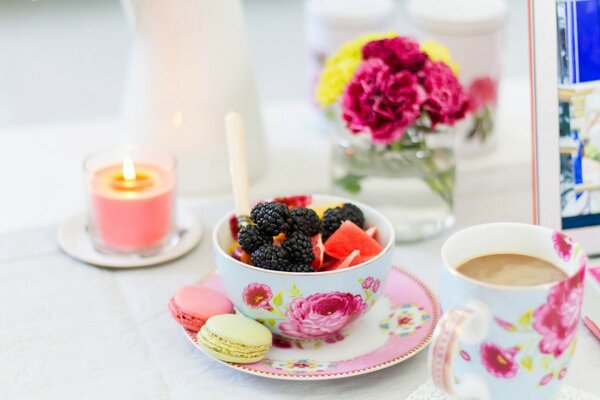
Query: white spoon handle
x=238, y=164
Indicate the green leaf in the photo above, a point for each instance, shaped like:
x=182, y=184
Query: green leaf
x=350, y=183
x=525, y=319
x=546, y=361
x=527, y=363
x=271, y=322
x=278, y=299
x=294, y=292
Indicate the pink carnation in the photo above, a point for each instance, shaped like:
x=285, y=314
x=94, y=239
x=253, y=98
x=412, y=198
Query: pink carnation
x=499, y=361
x=257, y=295
x=562, y=245
x=382, y=102
x=321, y=315
x=446, y=100
x=482, y=91
x=398, y=53
x=557, y=319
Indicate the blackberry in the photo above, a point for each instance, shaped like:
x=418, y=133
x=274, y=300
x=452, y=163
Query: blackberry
x=299, y=248
x=333, y=218
x=270, y=257
x=305, y=220
x=300, y=268
x=354, y=214
x=251, y=238
x=272, y=218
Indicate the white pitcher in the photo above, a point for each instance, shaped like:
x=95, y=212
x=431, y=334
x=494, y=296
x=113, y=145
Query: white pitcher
x=189, y=67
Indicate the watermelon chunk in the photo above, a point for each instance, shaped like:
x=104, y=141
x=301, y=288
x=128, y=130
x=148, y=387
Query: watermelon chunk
x=300, y=200
x=349, y=237
x=319, y=251
x=234, y=227
x=353, y=258
x=372, y=231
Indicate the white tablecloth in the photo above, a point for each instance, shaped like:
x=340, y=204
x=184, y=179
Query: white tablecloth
x=72, y=331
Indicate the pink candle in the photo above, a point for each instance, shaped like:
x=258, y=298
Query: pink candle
x=131, y=205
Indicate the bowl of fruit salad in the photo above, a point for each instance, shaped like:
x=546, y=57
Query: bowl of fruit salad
x=306, y=266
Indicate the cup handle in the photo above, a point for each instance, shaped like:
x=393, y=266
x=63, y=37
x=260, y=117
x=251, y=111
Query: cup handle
x=468, y=325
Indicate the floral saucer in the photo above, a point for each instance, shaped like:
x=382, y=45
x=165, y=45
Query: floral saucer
x=398, y=326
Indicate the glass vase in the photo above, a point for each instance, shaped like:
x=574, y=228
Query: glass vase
x=411, y=181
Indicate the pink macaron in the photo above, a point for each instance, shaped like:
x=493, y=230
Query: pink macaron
x=192, y=305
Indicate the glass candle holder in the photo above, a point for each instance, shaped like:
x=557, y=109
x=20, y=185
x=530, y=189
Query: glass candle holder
x=131, y=199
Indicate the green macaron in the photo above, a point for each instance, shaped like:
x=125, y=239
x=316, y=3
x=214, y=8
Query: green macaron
x=235, y=338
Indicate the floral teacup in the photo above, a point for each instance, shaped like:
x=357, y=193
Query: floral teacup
x=507, y=342
x=307, y=306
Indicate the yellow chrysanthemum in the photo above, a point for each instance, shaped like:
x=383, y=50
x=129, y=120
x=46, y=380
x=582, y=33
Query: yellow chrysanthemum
x=340, y=67
x=437, y=52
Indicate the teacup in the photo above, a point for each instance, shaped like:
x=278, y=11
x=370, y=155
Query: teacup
x=506, y=342
x=306, y=306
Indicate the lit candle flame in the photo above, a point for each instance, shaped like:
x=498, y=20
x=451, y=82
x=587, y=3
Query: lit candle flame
x=128, y=169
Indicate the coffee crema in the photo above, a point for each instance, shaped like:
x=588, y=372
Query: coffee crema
x=511, y=270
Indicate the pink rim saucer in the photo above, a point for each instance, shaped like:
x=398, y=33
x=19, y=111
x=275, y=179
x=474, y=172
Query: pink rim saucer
x=399, y=326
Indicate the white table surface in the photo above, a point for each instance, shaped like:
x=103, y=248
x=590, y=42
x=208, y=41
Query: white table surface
x=69, y=330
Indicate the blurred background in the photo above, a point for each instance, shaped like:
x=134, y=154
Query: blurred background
x=65, y=60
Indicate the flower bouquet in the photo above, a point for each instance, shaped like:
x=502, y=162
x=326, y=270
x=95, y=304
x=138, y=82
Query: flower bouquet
x=394, y=101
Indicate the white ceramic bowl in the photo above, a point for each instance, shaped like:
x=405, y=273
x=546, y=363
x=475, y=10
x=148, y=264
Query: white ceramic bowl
x=306, y=306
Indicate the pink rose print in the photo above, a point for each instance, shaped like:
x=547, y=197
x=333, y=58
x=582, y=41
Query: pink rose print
x=557, y=319
x=481, y=92
x=368, y=282
x=547, y=378
x=321, y=315
x=498, y=361
x=562, y=245
x=376, y=286
x=257, y=295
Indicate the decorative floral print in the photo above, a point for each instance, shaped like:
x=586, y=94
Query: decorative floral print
x=498, y=361
x=321, y=315
x=376, y=286
x=281, y=342
x=370, y=287
x=557, y=319
x=545, y=380
x=257, y=295
x=299, y=366
x=405, y=320
x=562, y=245
x=562, y=373
x=550, y=327
x=368, y=283
x=465, y=355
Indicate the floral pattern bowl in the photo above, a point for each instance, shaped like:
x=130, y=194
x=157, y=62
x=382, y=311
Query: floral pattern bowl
x=306, y=306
